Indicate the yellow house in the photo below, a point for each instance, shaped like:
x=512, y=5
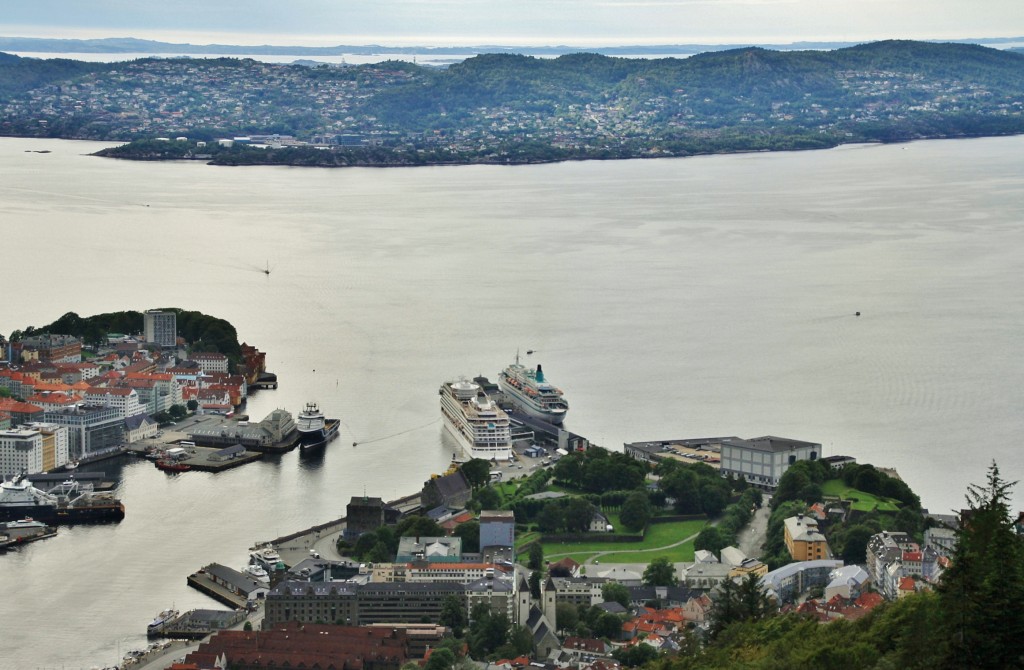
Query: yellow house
x=804, y=541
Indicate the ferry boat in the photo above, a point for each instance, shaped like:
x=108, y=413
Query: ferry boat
x=528, y=390
x=68, y=503
x=476, y=422
x=314, y=430
x=161, y=621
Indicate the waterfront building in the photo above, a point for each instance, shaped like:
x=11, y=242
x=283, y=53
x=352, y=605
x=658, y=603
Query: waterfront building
x=139, y=427
x=497, y=528
x=762, y=461
x=210, y=361
x=309, y=645
x=56, y=444
x=161, y=328
x=358, y=604
x=92, y=429
x=21, y=450
x=452, y=491
x=803, y=539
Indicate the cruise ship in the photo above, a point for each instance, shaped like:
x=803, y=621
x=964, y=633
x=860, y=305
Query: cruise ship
x=528, y=390
x=479, y=426
x=314, y=430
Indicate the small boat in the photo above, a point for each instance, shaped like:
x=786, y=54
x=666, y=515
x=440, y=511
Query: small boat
x=258, y=572
x=172, y=466
x=71, y=465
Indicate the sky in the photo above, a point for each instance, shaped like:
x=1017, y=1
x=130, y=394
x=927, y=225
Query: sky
x=513, y=22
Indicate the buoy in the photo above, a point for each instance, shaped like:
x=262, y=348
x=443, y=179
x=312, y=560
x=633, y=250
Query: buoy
x=857, y=314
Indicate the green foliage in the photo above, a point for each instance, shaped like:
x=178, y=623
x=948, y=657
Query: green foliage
x=597, y=470
x=660, y=572
x=734, y=602
x=535, y=579
x=566, y=616
x=635, y=656
x=536, y=560
x=695, y=487
x=192, y=405
x=636, y=511
x=981, y=592
x=487, y=631
x=801, y=481
x=453, y=615
x=477, y=472
x=615, y=592
x=418, y=526
x=177, y=412
x=470, y=534
x=440, y=659
x=711, y=539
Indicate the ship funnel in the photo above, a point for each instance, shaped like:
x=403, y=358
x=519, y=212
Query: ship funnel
x=540, y=374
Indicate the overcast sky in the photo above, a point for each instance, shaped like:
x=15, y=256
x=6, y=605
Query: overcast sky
x=513, y=22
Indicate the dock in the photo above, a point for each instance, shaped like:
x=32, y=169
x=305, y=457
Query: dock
x=227, y=586
x=197, y=624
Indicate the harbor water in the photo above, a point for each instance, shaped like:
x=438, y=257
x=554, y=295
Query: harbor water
x=668, y=298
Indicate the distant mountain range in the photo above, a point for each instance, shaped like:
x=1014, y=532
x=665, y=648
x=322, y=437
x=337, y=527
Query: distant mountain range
x=133, y=45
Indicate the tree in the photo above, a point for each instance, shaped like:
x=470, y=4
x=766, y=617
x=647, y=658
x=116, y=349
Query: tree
x=551, y=518
x=486, y=498
x=607, y=625
x=635, y=656
x=566, y=616
x=660, y=572
x=734, y=602
x=477, y=472
x=192, y=405
x=487, y=631
x=536, y=560
x=470, y=534
x=981, y=592
x=578, y=515
x=615, y=592
x=535, y=578
x=636, y=511
x=453, y=615
x=419, y=526
x=177, y=412
x=710, y=538
x=440, y=659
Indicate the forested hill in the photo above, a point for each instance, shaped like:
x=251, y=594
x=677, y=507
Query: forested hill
x=508, y=108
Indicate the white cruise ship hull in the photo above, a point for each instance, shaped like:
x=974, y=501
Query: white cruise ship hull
x=472, y=450
x=530, y=407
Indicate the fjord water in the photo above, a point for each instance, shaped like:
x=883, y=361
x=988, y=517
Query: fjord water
x=668, y=298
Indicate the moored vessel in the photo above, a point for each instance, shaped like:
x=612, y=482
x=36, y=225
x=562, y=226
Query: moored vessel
x=172, y=466
x=161, y=621
x=68, y=503
x=530, y=391
x=315, y=431
x=476, y=422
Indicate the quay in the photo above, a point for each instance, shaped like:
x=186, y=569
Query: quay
x=17, y=533
x=276, y=434
x=227, y=586
x=197, y=624
x=203, y=459
x=47, y=480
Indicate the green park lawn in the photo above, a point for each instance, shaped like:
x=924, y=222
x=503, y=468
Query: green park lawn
x=657, y=536
x=862, y=502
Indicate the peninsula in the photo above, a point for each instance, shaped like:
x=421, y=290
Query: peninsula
x=512, y=109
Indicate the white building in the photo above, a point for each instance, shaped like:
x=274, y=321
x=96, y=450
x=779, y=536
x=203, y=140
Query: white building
x=21, y=450
x=210, y=362
x=124, y=400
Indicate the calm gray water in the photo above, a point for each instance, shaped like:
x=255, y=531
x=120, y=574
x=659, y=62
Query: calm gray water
x=668, y=298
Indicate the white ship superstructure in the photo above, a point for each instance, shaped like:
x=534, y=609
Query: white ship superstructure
x=528, y=390
x=481, y=427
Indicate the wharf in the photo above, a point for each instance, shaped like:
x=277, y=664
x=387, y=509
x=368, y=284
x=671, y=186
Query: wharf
x=197, y=624
x=47, y=480
x=203, y=581
x=276, y=434
x=12, y=542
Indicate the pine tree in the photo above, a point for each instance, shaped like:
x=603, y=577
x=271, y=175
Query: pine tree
x=982, y=591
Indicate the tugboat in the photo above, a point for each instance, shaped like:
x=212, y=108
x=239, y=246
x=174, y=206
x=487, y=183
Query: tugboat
x=172, y=466
x=314, y=430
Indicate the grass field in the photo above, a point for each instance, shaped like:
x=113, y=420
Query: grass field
x=862, y=502
x=657, y=536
